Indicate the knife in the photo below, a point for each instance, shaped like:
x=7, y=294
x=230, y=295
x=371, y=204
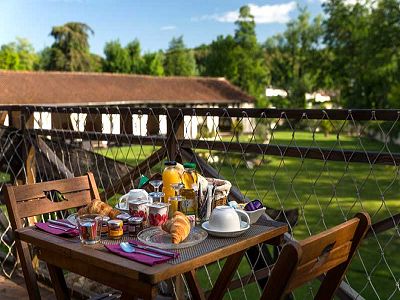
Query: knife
x=154, y=249
x=61, y=224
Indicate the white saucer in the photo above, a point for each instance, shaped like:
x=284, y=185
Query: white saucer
x=243, y=228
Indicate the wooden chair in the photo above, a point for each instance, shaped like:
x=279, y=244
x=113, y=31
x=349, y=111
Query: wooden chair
x=329, y=253
x=30, y=200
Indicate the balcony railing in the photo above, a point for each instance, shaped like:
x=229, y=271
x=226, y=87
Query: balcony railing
x=312, y=168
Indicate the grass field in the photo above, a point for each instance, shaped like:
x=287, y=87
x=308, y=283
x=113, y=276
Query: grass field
x=326, y=193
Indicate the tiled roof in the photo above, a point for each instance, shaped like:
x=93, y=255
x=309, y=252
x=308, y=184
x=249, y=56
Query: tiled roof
x=26, y=87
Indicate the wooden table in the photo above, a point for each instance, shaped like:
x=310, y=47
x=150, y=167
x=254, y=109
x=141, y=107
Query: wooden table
x=139, y=280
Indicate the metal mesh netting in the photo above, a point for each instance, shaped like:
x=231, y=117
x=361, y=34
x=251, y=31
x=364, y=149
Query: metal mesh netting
x=312, y=168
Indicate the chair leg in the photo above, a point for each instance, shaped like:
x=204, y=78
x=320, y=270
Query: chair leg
x=27, y=269
x=58, y=280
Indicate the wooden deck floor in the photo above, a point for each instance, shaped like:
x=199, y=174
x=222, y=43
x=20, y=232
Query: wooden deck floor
x=15, y=289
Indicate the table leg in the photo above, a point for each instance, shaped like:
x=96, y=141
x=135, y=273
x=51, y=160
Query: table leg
x=194, y=286
x=226, y=275
x=58, y=280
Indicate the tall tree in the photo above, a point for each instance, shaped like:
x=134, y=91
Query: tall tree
x=136, y=60
x=116, y=58
x=179, y=60
x=252, y=74
x=296, y=59
x=365, y=42
x=70, y=50
x=9, y=59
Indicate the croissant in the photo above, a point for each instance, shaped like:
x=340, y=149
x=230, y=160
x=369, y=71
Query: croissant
x=99, y=207
x=178, y=227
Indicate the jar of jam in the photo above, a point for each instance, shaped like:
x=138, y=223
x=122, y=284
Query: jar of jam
x=104, y=224
x=115, y=229
x=135, y=225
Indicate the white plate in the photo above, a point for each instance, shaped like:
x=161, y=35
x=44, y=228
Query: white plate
x=72, y=219
x=156, y=237
x=243, y=228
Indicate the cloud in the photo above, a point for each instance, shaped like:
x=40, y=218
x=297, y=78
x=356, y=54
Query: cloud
x=168, y=27
x=263, y=14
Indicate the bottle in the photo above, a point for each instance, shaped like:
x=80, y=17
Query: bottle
x=189, y=177
x=170, y=176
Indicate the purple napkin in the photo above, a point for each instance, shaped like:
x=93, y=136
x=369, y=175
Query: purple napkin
x=141, y=258
x=70, y=232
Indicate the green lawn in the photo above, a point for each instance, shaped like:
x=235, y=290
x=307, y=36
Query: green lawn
x=326, y=194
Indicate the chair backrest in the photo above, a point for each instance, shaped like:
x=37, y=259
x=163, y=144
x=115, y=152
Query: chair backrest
x=35, y=199
x=329, y=252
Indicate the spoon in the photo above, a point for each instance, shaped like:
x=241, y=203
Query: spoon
x=126, y=247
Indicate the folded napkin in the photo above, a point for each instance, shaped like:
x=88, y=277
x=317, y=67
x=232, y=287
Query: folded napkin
x=142, y=258
x=70, y=232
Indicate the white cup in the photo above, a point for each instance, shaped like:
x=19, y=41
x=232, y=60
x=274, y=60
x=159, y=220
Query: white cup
x=133, y=195
x=226, y=219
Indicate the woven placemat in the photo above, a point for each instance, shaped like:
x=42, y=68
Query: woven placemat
x=208, y=245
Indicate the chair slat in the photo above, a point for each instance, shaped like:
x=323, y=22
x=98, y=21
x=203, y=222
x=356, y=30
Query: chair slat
x=336, y=236
x=44, y=205
x=318, y=266
x=36, y=191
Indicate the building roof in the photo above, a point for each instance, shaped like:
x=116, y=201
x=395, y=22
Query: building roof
x=67, y=88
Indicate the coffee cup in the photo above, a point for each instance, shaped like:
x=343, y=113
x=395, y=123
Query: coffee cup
x=132, y=195
x=227, y=219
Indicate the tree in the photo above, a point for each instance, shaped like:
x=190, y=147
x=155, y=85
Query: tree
x=136, y=60
x=153, y=63
x=70, y=50
x=252, y=74
x=365, y=42
x=296, y=59
x=116, y=58
x=9, y=59
x=18, y=55
x=179, y=61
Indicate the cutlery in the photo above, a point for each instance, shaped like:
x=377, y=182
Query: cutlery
x=153, y=249
x=61, y=224
x=59, y=228
x=126, y=247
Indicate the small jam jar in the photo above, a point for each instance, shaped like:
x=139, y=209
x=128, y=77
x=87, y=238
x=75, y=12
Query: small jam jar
x=123, y=217
x=135, y=225
x=115, y=229
x=104, y=224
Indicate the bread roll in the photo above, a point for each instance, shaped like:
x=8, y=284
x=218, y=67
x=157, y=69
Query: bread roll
x=99, y=207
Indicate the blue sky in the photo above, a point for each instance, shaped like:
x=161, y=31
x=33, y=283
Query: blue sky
x=154, y=23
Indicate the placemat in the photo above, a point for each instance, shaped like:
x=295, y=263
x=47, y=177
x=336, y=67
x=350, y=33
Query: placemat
x=208, y=245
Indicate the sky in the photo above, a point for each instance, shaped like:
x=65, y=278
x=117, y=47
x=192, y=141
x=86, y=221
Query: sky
x=154, y=23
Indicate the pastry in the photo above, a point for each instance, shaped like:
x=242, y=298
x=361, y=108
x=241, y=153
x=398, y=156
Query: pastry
x=99, y=207
x=178, y=227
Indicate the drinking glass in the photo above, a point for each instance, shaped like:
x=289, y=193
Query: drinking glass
x=156, y=195
x=89, y=227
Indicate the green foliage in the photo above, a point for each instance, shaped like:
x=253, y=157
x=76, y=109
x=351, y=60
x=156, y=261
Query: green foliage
x=365, y=42
x=135, y=58
x=294, y=59
x=70, y=50
x=153, y=63
x=116, y=58
x=179, y=60
x=18, y=55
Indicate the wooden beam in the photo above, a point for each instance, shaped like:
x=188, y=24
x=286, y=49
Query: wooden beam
x=53, y=158
x=381, y=226
x=3, y=115
x=122, y=184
